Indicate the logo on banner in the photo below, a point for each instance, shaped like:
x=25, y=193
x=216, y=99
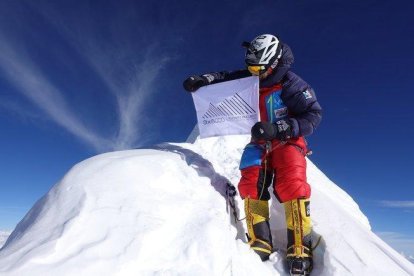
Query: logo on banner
x=231, y=109
x=227, y=108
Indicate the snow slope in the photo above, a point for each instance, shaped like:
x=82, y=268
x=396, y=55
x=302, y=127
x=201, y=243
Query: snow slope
x=162, y=211
x=408, y=257
x=3, y=237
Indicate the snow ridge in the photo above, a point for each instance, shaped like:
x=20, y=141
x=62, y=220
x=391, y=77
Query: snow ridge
x=408, y=257
x=163, y=211
x=3, y=237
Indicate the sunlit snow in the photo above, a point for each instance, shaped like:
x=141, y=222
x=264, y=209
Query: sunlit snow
x=3, y=237
x=162, y=211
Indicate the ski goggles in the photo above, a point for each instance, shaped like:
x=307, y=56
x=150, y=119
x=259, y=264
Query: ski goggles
x=256, y=70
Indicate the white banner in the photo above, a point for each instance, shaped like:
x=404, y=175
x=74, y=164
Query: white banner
x=227, y=108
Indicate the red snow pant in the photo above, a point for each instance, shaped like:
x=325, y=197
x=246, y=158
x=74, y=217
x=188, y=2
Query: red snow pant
x=282, y=164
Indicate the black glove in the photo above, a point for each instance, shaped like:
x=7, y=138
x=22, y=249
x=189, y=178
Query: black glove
x=191, y=84
x=281, y=130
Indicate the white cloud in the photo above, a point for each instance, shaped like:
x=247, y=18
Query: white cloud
x=400, y=242
x=397, y=204
x=131, y=79
x=23, y=112
x=31, y=83
x=132, y=90
x=129, y=72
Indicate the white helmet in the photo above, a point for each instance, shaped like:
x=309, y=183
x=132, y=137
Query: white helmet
x=263, y=50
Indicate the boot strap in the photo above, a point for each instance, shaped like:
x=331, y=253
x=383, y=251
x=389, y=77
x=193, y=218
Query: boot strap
x=260, y=245
x=266, y=244
x=299, y=251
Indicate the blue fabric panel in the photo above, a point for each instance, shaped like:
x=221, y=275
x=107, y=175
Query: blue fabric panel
x=276, y=109
x=252, y=156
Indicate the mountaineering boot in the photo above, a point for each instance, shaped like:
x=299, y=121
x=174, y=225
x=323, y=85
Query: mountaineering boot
x=299, y=227
x=257, y=219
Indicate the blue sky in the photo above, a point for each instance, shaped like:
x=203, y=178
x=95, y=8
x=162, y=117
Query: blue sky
x=79, y=78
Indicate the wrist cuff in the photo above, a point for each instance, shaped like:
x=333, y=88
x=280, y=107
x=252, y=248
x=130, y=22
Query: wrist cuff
x=294, y=125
